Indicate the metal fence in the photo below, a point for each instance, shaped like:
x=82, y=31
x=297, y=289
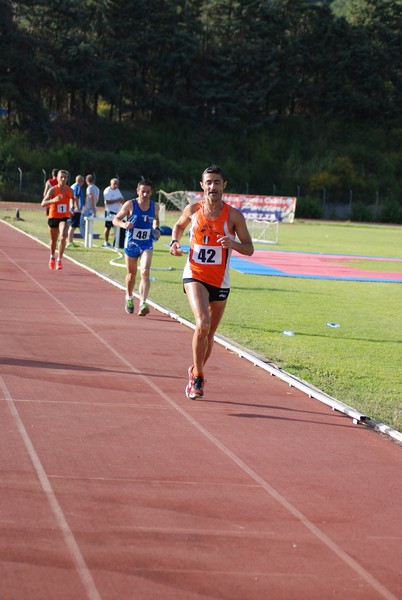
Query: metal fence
x=23, y=185
x=27, y=186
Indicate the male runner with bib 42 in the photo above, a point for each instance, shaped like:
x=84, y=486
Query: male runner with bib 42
x=216, y=229
x=142, y=228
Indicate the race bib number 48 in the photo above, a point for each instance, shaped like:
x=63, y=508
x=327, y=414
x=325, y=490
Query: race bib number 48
x=207, y=255
x=141, y=234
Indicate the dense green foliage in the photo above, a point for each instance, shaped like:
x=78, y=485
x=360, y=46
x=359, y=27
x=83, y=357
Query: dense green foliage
x=291, y=97
x=232, y=61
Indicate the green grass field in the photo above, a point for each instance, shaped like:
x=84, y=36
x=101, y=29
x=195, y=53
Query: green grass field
x=358, y=363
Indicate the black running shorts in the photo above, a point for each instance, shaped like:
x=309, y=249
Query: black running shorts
x=54, y=223
x=215, y=294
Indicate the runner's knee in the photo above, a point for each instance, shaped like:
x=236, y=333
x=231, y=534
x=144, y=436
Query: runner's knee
x=203, y=324
x=145, y=272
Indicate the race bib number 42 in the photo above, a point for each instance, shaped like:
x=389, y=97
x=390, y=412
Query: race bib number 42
x=207, y=255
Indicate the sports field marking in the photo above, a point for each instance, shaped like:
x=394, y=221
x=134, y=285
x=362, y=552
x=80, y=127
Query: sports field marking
x=314, y=265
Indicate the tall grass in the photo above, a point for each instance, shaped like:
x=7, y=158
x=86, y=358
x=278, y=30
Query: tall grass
x=358, y=363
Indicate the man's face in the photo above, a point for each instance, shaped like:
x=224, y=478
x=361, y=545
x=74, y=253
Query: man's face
x=213, y=186
x=62, y=178
x=144, y=192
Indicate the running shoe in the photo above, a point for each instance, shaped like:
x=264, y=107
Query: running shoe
x=129, y=306
x=106, y=245
x=195, y=386
x=144, y=309
x=52, y=263
x=59, y=265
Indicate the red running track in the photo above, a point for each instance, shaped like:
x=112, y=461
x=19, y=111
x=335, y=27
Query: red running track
x=115, y=486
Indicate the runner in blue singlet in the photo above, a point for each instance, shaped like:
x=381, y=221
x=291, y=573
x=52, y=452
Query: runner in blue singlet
x=140, y=238
x=140, y=218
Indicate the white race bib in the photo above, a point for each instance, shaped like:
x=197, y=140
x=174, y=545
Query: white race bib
x=62, y=208
x=207, y=255
x=141, y=234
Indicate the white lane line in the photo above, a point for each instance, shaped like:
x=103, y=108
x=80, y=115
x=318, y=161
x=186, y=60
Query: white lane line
x=316, y=531
x=78, y=560
x=327, y=541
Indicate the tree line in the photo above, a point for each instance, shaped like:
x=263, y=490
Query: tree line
x=231, y=62
x=291, y=97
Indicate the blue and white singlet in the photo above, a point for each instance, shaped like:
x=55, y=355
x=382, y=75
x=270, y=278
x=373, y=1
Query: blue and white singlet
x=139, y=238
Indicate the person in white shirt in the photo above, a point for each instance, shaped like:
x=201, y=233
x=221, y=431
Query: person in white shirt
x=91, y=200
x=113, y=200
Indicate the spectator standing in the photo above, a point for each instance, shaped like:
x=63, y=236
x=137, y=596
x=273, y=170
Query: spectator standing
x=113, y=199
x=213, y=231
x=142, y=228
x=76, y=207
x=58, y=199
x=91, y=200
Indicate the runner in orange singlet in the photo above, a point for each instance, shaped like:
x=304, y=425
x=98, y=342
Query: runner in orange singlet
x=213, y=231
x=58, y=199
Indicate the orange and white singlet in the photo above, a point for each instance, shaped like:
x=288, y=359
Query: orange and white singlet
x=207, y=261
x=61, y=210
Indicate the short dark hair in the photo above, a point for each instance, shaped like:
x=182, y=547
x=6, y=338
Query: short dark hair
x=144, y=181
x=213, y=169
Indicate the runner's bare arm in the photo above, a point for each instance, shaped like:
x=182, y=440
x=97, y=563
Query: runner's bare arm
x=49, y=198
x=124, y=212
x=179, y=228
x=238, y=225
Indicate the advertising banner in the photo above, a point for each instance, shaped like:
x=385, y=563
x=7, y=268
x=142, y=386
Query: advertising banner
x=264, y=208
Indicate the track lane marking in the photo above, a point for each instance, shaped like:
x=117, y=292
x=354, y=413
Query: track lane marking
x=286, y=504
x=78, y=560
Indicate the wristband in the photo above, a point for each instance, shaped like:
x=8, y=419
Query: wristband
x=173, y=242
